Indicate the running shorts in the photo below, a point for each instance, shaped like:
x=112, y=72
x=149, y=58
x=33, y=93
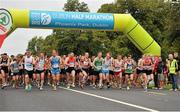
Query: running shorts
x=21, y=72
x=70, y=69
x=91, y=71
x=139, y=71
x=15, y=74
x=148, y=72
x=105, y=71
x=29, y=73
x=86, y=70
x=128, y=71
x=5, y=69
x=96, y=73
x=111, y=72
x=117, y=73
x=63, y=71
x=55, y=71
x=39, y=71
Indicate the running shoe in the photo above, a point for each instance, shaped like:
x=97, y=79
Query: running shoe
x=73, y=85
x=3, y=86
x=26, y=88
x=54, y=88
x=29, y=87
x=41, y=88
x=128, y=88
x=145, y=89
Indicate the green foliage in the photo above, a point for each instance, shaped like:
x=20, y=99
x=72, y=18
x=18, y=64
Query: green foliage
x=159, y=18
x=75, y=6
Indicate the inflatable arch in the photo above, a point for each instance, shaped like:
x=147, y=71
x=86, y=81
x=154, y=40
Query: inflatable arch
x=16, y=18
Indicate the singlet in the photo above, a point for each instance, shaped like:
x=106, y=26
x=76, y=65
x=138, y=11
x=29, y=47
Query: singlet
x=85, y=64
x=4, y=62
x=71, y=62
x=129, y=67
x=118, y=65
x=107, y=64
x=98, y=63
x=40, y=64
x=147, y=64
x=47, y=64
x=15, y=67
x=140, y=64
x=28, y=63
x=55, y=61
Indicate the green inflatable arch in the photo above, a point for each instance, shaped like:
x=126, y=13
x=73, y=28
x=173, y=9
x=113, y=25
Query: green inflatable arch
x=14, y=18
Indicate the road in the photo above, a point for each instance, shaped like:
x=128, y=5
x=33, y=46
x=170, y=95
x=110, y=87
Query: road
x=88, y=99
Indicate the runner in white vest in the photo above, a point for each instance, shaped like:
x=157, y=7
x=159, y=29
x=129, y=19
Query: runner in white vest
x=28, y=64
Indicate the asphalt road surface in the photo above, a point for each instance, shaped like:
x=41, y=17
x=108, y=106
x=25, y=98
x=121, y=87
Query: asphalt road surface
x=88, y=99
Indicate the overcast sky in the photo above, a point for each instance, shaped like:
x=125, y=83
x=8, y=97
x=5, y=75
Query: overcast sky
x=17, y=42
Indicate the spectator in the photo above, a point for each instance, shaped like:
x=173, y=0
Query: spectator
x=173, y=67
x=160, y=74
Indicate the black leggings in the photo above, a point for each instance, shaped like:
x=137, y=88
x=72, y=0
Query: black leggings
x=156, y=83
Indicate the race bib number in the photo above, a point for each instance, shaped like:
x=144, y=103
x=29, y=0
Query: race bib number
x=117, y=69
x=86, y=63
x=71, y=63
x=129, y=67
x=16, y=69
x=29, y=65
x=55, y=66
x=99, y=68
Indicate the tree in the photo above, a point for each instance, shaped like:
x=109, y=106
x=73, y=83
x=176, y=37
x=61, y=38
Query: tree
x=35, y=45
x=75, y=6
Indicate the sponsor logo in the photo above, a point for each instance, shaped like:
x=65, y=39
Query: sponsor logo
x=5, y=22
x=45, y=19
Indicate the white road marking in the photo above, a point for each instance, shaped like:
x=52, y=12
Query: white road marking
x=112, y=100
x=156, y=93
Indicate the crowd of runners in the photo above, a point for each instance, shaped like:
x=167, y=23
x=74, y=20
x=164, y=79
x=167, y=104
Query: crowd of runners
x=84, y=71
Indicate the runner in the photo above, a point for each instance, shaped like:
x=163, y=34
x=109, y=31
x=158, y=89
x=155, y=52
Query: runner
x=63, y=70
x=14, y=66
x=106, y=66
x=71, y=64
x=160, y=74
x=147, y=70
x=129, y=72
x=21, y=70
x=97, y=64
x=4, y=63
x=85, y=64
x=118, y=66
x=123, y=70
x=47, y=68
x=28, y=65
x=92, y=75
x=139, y=71
x=55, y=68
x=40, y=64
